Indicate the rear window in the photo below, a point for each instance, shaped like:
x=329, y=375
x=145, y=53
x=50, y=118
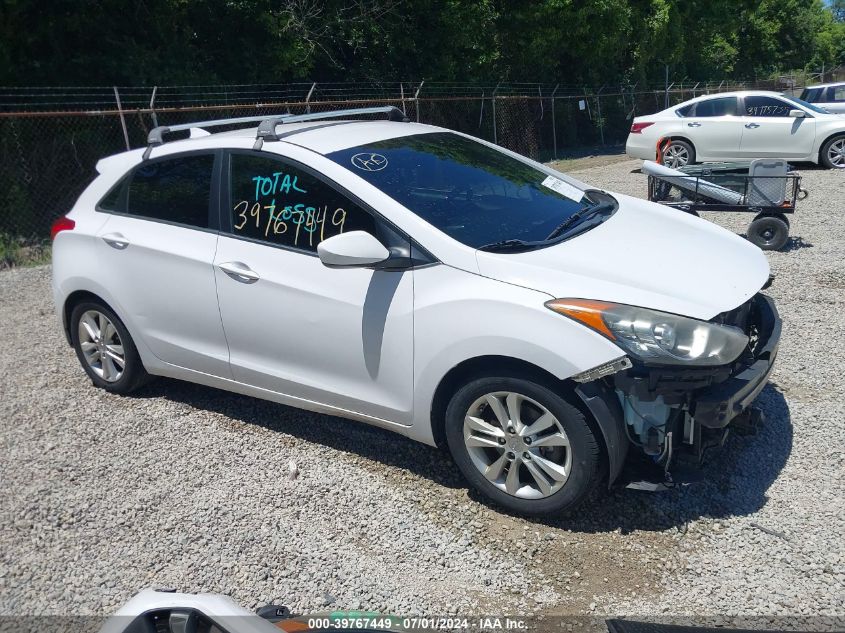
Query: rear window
x=474, y=193
x=811, y=95
x=173, y=190
x=721, y=106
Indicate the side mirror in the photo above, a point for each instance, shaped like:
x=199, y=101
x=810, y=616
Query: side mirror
x=356, y=249
x=797, y=114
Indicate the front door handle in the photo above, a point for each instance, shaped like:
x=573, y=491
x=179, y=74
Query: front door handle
x=239, y=272
x=116, y=240
x=694, y=124
x=751, y=126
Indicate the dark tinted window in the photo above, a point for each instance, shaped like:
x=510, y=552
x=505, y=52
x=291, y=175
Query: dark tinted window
x=281, y=204
x=685, y=110
x=722, y=106
x=174, y=189
x=812, y=95
x=114, y=199
x=766, y=106
x=472, y=192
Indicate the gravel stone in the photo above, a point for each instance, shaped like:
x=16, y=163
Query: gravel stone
x=187, y=487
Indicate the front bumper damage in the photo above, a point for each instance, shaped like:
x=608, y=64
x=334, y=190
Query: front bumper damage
x=674, y=413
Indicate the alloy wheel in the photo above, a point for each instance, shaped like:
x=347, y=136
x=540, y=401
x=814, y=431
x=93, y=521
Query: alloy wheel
x=836, y=153
x=518, y=445
x=675, y=156
x=101, y=345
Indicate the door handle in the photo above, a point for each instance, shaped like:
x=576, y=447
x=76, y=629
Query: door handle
x=694, y=124
x=751, y=126
x=239, y=272
x=116, y=240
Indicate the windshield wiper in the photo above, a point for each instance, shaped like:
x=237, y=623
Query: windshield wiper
x=509, y=245
x=581, y=215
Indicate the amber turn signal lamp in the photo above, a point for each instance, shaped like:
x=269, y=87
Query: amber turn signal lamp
x=584, y=311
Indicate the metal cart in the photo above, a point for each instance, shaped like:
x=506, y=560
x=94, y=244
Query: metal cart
x=768, y=188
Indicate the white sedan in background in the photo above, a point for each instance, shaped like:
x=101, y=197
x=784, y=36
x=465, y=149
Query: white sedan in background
x=740, y=126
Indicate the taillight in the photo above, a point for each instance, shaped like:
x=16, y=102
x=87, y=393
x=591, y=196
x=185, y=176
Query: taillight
x=637, y=128
x=62, y=224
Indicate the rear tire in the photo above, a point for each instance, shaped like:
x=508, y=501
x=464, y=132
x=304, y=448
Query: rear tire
x=832, y=154
x=769, y=232
x=678, y=154
x=533, y=453
x=105, y=349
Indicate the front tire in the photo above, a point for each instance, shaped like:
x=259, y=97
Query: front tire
x=105, y=349
x=833, y=153
x=522, y=445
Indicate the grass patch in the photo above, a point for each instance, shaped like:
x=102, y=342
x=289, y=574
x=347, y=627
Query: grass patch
x=19, y=251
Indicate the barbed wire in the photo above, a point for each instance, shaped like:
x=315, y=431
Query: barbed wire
x=18, y=99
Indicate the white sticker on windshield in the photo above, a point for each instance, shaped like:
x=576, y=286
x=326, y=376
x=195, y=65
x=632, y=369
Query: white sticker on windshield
x=564, y=188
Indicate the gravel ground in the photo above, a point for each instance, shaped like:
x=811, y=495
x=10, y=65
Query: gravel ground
x=189, y=487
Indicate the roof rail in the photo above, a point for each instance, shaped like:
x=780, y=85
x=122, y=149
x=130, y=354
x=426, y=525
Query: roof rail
x=267, y=128
x=267, y=125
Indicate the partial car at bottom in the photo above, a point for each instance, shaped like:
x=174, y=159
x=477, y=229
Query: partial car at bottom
x=740, y=126
x=425, y=282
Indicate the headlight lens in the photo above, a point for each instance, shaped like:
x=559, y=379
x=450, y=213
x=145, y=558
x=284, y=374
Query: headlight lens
x=658, y=337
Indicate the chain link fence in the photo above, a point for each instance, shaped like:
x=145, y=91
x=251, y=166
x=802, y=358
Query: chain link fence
x=52, y=138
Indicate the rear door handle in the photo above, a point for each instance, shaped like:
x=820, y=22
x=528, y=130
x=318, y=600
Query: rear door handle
x=239, y=272
x=751, y=126
x=116, y=240
x=694, y=124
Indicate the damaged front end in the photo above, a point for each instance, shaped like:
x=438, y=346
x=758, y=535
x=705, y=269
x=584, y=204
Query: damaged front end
x=672, y=412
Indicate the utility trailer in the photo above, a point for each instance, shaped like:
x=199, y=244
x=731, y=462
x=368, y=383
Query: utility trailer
x=769, y=188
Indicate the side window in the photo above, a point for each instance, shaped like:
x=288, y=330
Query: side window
x=836, y=94
x=174, y=189
x=721, y=106
x=278, y=203
x=811, y=95
x=766, y=106
x=685, y=111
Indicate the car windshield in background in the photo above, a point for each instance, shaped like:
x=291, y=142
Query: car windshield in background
x=473, y=193
x=807, y=105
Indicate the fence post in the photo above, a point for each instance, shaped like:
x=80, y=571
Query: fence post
x=554, y=127
x=402, y=96
x=152, y=107
x=495, y=136
x=122, y=119
x=598, y=108
x=417, y=99
x=666, y=84
x=308, y=98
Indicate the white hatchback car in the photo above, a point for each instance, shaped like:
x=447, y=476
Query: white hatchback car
x=423, y=281
x=736, y=126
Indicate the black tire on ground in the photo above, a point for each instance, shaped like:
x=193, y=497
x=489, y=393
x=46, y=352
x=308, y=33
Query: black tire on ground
x=769, y=232
x=831, y=154
x=677, y=150
x=134, y=375
x=584, y=473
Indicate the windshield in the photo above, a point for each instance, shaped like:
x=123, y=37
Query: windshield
x=807, y=105
x=473, y=193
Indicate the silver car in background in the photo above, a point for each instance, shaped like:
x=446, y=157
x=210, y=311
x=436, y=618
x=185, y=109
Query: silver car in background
x=831, y=97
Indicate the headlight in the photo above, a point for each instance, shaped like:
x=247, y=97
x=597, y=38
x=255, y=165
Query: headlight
x=658, y=337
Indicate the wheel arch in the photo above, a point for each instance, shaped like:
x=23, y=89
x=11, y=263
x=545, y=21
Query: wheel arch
x=826, y=140
x=680, y=137
x=595, y=400
x=74, y=299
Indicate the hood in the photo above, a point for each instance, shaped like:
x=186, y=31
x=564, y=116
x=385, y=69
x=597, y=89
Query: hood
x=645, y=255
